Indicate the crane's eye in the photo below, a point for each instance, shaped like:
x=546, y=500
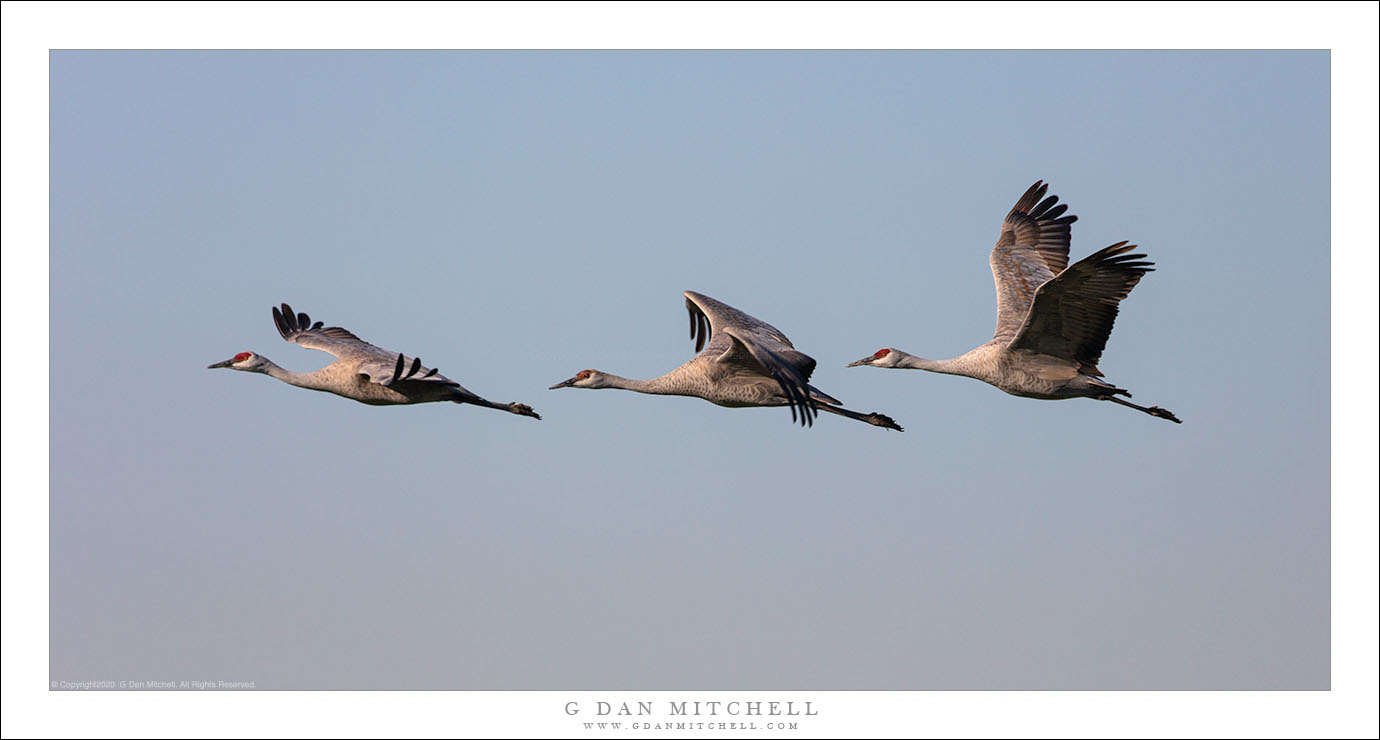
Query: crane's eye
x=241, y=357
x=881, y=353
x=583, y=374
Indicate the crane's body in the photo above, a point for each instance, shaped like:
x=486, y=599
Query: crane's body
x=361, y=372
x=344, y=378
x=741, y=362
x=1018, y=372
x=1053, y=319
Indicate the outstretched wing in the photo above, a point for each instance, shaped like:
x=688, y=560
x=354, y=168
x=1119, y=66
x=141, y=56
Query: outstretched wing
x=401, y=370
x=784, y=367
x=378, y=365
x=732, y=336
x=1072, y=314
x=298, y=328
x=1032, y=249
x=708, y=317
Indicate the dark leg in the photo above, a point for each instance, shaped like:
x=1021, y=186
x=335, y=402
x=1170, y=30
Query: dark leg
x=521, y=409
x=1153, y=410
x=875, y=419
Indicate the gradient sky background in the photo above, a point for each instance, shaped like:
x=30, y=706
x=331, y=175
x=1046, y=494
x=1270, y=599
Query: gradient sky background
x=513, y=218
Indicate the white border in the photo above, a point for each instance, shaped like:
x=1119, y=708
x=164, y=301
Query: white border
x=1349, y=30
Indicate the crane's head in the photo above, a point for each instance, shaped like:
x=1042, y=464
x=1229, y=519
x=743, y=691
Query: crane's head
x=884, y=357
x=583, y=379
x=247, y=361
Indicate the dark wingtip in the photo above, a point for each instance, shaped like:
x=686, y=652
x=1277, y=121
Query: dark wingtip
x=808, y=412
x=699, y=325
x=279, y=322
x=287, y=321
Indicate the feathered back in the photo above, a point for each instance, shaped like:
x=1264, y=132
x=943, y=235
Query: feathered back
x=731, y=336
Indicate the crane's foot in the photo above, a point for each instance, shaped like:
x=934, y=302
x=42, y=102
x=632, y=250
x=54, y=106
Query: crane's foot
x=1164, y=414
x=882, y=420
x=522, y=409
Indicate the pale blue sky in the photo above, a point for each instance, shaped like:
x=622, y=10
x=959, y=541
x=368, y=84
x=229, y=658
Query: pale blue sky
x=516, y=217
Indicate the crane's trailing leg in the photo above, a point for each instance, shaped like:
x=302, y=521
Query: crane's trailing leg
x=1153, y=410
x=875, y=419
x=522, y=409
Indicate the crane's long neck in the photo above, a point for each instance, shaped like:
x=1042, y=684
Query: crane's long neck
x=948, y=367
x=301, y=380
x=667, y=385
x=961, y=365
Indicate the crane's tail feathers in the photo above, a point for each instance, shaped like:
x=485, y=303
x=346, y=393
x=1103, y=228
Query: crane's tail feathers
x=1104, y=387
x=819, y=396
x=874, y=418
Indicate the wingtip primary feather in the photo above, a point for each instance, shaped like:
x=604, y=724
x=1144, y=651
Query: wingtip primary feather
x=279, y=322
x=699, y=322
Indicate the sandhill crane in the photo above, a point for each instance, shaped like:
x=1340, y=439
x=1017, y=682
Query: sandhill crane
x=741, y=362
x=1052, y=322
x=361, y=371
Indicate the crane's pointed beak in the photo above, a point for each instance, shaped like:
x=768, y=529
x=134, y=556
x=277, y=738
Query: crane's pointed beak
x=226, y=363
x=863, y=361
x=562, y=384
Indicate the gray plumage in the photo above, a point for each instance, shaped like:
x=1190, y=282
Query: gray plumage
x=361, y=372
x=741, y=362
x=1053, y=319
